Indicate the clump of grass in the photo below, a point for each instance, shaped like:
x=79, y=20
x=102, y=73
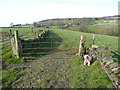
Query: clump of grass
x=7, y=54
x=10, y=75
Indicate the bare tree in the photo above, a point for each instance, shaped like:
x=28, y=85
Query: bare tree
x=11, y=24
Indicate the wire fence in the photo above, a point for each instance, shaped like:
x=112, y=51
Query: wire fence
x=101, y=44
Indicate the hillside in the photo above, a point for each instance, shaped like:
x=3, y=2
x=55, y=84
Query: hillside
x=65, y=21
x=77, y=21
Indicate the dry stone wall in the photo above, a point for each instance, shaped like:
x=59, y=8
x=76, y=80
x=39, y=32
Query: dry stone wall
x=108, y=64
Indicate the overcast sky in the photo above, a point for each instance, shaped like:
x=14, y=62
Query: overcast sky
x=28, y=11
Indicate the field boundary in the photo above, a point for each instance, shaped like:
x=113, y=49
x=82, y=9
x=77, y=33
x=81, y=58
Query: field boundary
x=107, y=62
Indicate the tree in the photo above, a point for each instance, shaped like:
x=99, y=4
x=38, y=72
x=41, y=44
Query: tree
x=35, y=24
x=11, y=24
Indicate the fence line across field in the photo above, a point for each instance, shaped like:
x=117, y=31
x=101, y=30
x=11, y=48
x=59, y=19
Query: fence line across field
x=45, y=52
x=40, y=42
x=50, y=48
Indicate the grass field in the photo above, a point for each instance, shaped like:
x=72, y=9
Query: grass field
x=78, y=74
x=104, y=21
x=71, y=39
x=108, y=29
x=22, y=31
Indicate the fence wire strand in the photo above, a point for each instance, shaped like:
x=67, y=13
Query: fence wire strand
x=101, y=44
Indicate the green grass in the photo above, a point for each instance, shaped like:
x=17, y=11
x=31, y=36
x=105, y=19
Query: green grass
x=103, y=21
x=6, y=48
x=39, y=48
x=111, y=30
x=72, y=38
x=87, y=77
x=23, y=31
x=10, y=75
x=7, y=54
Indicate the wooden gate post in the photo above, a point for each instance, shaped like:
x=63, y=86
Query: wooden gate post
x=81, y=46
x=17, y=44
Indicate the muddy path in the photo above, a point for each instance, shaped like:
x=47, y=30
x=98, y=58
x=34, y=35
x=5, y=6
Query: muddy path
x=49, y=71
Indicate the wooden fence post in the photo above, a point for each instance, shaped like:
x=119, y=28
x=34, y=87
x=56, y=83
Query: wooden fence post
x=17, y=44
x=81, y=46
x=32, y=29
x=93, y=41
x=10, y=32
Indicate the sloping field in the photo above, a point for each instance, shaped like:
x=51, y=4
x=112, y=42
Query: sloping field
x=109, y=29
x=72, y=38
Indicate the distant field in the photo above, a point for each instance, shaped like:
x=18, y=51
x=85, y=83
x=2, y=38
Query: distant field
x=108, y=29
x=22, y=31
x=106, y=21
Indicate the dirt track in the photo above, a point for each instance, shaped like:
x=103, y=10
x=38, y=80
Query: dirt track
x=48, y=71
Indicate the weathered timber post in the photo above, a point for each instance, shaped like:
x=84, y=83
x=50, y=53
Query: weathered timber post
x=81, y=46
x=93, y=41
x=32, y=29
x=10, y=32
x=17, y=44
x=13, y=45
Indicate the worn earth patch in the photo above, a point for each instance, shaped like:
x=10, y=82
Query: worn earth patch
x=49, y=71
